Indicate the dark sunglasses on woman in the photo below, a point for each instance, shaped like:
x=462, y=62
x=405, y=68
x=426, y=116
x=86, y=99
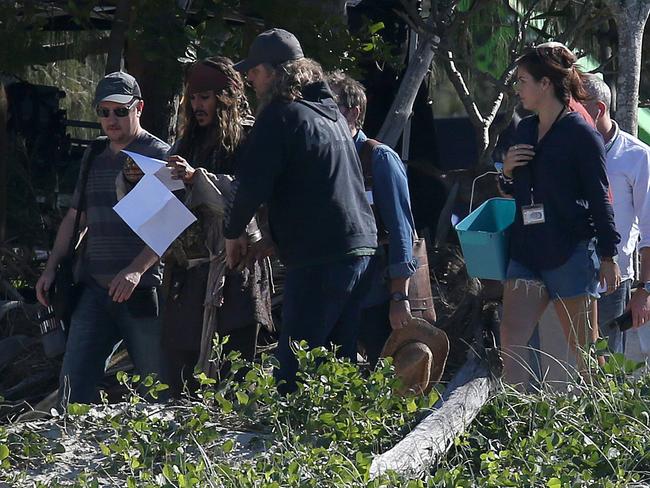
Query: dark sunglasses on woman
x=119, y=112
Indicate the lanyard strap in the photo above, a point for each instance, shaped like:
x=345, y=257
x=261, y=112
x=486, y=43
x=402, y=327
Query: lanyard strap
x=532, y=189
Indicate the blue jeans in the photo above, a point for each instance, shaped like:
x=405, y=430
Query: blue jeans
x=576, y=277
x=97, y=324
x=610, y=307
x=321, y=305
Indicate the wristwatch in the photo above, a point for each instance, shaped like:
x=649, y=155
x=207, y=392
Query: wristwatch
x=646, y=287
x=398, y=296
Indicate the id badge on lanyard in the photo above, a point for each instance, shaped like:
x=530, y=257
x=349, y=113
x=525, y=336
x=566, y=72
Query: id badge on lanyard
x=534, y=213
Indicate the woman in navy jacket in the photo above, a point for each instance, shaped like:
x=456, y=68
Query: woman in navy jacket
x=563, y=241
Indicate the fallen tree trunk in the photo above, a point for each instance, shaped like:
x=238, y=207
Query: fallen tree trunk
x=425, y=445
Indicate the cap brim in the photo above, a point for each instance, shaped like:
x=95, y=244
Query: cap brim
x=116, y=99
x=244, y=65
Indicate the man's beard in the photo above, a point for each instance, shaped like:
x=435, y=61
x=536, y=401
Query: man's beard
x=204, y=136
x=201, y=132
x=263, y=100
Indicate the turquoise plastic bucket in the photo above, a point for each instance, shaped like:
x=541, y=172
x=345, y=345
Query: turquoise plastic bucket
x=484, y=239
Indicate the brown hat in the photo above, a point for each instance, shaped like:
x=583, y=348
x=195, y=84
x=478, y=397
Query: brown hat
x=419, y=351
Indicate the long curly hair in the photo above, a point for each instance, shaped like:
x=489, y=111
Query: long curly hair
x=290, y=79
x=232, y=113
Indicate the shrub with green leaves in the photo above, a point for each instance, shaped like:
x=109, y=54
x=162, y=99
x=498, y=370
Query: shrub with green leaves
x=596, y=435
x=323, y=434
x=238, y=431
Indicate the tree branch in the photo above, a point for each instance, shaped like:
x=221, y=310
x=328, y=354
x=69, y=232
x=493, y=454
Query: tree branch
x=414, y=20
x=465, y=96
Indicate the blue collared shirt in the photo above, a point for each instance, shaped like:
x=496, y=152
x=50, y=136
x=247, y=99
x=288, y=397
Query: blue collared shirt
x=390, y=194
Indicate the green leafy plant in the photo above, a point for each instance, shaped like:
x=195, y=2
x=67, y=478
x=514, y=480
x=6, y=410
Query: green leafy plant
x=593, y=436
x=323, y=434
x=238, y=431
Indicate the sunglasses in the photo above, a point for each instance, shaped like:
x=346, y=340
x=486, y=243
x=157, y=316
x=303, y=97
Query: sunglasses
x=119, y=112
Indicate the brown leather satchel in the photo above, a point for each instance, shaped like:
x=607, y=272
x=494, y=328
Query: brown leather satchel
x=419, y=292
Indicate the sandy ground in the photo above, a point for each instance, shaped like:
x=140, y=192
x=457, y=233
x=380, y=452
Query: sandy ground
x=77, y=448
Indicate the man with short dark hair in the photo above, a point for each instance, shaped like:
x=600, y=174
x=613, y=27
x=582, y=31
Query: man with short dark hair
x=301, y=160
x=628, y=170
x=387, y=305
x=120, y=274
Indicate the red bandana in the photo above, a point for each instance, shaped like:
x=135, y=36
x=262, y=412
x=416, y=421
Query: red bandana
x=206, y=76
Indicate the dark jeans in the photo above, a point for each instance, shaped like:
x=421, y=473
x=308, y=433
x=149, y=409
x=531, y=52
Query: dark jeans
x=97, y=324
x=374, y=331
x=610, y=307
x=321, y=305
x=180, y=363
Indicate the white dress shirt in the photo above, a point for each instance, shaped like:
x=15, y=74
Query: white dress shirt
x=628, y=169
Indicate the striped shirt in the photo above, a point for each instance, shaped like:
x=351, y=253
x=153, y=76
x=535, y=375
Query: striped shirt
x=111, y=245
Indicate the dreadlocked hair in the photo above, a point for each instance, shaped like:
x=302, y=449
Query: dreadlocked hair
x=232, y=112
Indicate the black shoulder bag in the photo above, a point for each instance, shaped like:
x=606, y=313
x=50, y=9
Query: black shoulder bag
x=66, y=290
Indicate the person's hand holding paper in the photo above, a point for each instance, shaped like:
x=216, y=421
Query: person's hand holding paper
x=151, y=209
x=151, y=166
x=181, y=169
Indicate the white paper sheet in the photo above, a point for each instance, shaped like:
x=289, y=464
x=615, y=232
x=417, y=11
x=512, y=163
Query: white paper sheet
x=154, y=213
x=152, y=166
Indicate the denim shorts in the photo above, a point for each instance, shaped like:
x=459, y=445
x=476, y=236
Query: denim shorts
x=576, y=277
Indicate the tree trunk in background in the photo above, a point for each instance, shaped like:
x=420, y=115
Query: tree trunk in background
x=606, y=36
x=631, y=17
x=400, y=110
x=118, y=36
x=160, y=99
x=3, y=163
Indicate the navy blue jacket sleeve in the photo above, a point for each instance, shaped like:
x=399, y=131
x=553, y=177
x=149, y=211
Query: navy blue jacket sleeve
x=391, y=196
x=591, y=167
x=262, y=160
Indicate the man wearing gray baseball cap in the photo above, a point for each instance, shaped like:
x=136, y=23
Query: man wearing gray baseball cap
x=274, y=46
x=120, y=275
x=301, y=161
x=118, y=87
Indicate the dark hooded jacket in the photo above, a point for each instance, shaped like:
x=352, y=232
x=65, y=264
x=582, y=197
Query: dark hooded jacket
x=300, y=158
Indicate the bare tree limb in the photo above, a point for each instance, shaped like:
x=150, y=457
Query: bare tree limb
x=458, y=81
x=498, y=126
x=400, y=110
x=414, y=20
x=417, y=69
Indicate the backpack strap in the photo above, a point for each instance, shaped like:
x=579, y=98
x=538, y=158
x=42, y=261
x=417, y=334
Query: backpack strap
x=96, y=147
x=365, y=155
